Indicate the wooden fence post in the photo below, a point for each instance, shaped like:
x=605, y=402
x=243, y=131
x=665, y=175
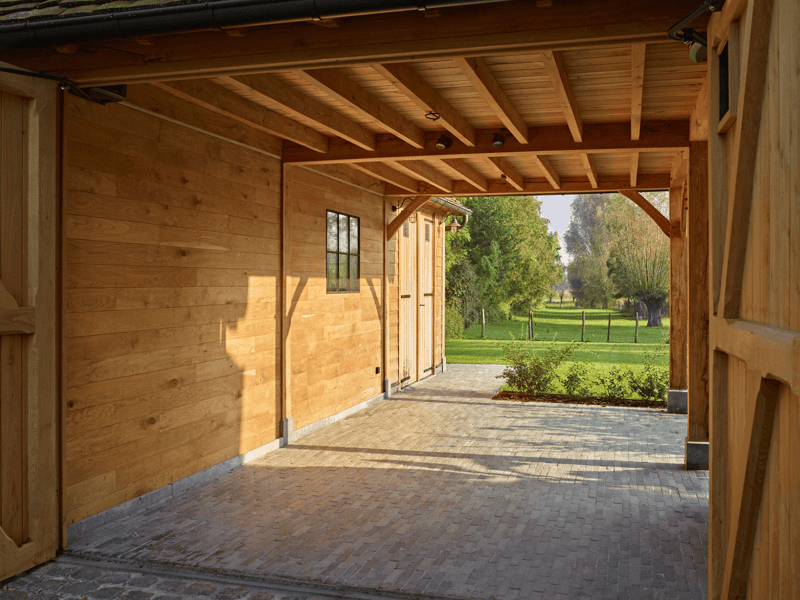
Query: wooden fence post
x=483, y=323
x=583, y=326
x=636, y=334
x=608, y=337
x=530, y=325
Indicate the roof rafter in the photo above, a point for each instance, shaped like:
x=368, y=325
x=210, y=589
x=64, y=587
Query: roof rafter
x=638, y=52
x=267, y=87
x=345, y=89
x=634, y=168
x=421, y=170
x=220, y=100
x=507, y=172
x=549, y=172
x=389, y=175
x=484, y=82
x=554, y=66
x=469, y=174
x=663, y=136
x=591, y=172
x=410, y=83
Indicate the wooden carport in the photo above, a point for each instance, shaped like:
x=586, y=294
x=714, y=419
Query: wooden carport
x=519, y=97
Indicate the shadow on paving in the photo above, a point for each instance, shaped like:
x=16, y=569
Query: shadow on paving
x=440, y=492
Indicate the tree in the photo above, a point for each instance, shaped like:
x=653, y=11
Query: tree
x=588, y=242
x=638, y=263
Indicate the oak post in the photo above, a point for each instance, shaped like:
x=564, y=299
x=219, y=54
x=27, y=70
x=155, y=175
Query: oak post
x=678, y=356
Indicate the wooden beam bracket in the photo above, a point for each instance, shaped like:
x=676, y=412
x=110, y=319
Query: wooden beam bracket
x=18, y=321
x=652, y=211
x=409, y=210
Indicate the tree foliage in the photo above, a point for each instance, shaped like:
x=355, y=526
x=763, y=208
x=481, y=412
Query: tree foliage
x=504, y=258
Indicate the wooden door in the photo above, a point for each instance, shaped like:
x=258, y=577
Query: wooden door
x=29, y=530
x=754, y=304
x=408, y=302
x=426, y=299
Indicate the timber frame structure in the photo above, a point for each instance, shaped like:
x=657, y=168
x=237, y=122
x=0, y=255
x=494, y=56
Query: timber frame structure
x=182, y=228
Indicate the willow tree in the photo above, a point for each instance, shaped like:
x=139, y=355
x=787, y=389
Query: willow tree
x=638, y=264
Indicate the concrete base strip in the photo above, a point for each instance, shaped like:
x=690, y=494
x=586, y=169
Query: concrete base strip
x=234, y=578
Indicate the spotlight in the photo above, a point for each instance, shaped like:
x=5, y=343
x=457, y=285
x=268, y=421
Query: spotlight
x=443, y=142
x=498, y=140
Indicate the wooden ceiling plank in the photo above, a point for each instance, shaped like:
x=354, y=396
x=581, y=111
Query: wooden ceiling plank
x=348, y=91
x=638, y=52
x=652, y=211
x=220, y=100
x=508, y=173
x=541, y=186
x=554, y=65
x=662, y=136
x=634, y=168
x=549, y=171
x=591, y=172
x=470, y=174
x=484, y=82
x=421, y=170
x=275, y=91
x=412, y=85
x=389, y=175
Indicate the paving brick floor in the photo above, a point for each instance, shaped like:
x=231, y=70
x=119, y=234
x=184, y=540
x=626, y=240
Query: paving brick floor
x=443, y=491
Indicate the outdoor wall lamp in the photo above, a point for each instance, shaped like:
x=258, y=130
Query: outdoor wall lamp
x=443, y=142
x=498, y=140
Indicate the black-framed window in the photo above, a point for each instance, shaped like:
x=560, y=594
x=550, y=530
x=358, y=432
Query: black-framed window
x=343, y=261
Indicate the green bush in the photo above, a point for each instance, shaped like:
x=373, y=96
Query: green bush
x=576, y=381
x=453, y=323
x=652, y=382
x=532, y=372
x=615, y=383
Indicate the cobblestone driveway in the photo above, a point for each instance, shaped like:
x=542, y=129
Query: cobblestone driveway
x=442, y=491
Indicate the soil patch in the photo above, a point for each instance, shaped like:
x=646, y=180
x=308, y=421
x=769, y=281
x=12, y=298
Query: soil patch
x=564, y=399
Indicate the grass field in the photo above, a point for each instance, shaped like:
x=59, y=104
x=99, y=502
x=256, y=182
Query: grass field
x=565, y=325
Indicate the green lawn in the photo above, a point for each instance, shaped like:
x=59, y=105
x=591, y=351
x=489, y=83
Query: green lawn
x=565, y=324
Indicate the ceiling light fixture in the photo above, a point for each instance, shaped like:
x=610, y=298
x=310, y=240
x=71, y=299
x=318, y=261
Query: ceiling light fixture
x=498, y=140
x=443, y=142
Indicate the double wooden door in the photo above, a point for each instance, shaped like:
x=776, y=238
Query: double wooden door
x=29, y=528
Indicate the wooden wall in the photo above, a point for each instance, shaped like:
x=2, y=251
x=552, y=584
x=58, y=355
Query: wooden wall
x=172, y=245
x=755, y=300
x=335, y=340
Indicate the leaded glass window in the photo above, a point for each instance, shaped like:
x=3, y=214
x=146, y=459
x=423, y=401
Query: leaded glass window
x=343, y=263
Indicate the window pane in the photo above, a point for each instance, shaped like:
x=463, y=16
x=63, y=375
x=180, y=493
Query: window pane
x=333, y=231
x=343, y=233
x=343, y=272
x=332, y=275
x=353, y=273
x=353, y=235
x=405, y=229
x=427, y=232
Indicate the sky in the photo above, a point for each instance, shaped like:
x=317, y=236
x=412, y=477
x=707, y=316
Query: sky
x=556, y=209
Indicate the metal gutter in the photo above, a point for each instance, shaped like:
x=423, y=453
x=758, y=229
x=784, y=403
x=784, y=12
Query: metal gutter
x=215, y=14
x=453, y=206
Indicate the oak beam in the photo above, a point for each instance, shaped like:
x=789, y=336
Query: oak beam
x=406, y=213
x=638, y=52
x=554, y=65
x=698, y=122
x=663, y=136
x=507, y=172
x=634, y=168
x=419, y=91
x=540, y=186
x=268, y=88
x=588, y=166
x=740, y=547
x=751, y=97
x=469, y=174
x=482, y=79
x=225, y=102
x=678, y=336
x=421, y=170
x=652, y=211
x=389, y=175
x=548, y=170
x=345, y=89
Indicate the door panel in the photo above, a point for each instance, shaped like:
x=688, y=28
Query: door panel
x=426, y=298
x=408, y=303
x=29, y=530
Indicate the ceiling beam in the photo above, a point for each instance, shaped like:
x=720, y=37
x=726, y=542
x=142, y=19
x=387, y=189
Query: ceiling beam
x=554, y=66
x=419, y=91
x=225, y=102
x=421, y=170
x=591, y=172
x=512, y=27
x=469, y=174
x=663, y=136
x=638, y=52
x=389, y=175
x=482, y=79
x=507, y=172
x=634, y=168
x=542, y=186
x=343, y=88
x=267, y=88
x=549, y=172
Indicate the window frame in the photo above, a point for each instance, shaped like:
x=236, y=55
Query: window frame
x=339, y=254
